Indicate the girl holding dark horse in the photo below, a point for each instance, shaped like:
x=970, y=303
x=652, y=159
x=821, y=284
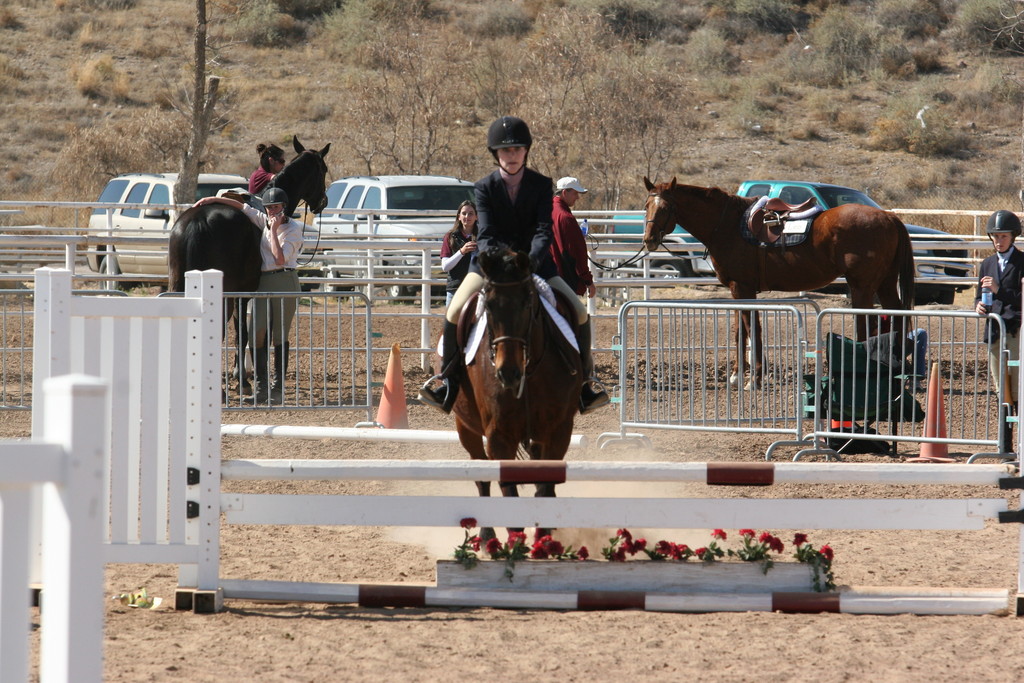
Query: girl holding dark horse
x=458, y=247
x=514, y=206
x=280, y=246
x=271, y=163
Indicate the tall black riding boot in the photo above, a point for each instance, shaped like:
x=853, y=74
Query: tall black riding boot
x=260, y=361
x=280, y=373
x=444, y=396
x=592, y=395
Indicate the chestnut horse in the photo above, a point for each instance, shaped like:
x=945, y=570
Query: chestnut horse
x=217, y=236
x=521, y=388
x=868, y=246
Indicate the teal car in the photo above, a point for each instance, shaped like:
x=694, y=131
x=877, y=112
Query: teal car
x=688, y=263
x=931, y=263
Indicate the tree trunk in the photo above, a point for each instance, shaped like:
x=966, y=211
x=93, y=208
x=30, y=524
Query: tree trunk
x=204, y=99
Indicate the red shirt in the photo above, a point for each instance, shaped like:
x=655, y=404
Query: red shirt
x=569, y=249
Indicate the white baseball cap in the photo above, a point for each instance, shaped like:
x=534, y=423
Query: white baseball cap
x=570, y=183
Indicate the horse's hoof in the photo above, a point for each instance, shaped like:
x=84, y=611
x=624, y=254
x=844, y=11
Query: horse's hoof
x=734, y=380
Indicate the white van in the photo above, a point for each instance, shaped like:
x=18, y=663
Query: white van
x=139, y=221
x=389, y=192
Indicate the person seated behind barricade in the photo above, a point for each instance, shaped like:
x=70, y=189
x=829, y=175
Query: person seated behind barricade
x=280, y=245
x=271, y=163
x=514, y=206
x=458, y=247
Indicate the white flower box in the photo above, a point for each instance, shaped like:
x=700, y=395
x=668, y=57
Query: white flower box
x=642, y=575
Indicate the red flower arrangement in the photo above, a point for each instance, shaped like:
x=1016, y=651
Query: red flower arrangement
x=754, y=548
x=759, y=550
x=513, y=550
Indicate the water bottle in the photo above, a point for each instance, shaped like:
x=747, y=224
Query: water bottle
x=584, y=226
x=986, y=298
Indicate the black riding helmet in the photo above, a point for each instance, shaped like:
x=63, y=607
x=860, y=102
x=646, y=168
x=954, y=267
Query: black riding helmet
x=275, y=195
x=508, y=131
x=1003, y=221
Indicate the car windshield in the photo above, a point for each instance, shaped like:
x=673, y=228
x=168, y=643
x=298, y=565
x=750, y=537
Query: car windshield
x=429, y=197
x=837, y=196
x=211, y=189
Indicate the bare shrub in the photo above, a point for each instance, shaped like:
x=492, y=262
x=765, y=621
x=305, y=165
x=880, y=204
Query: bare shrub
x=308, y=9
x=842, y=47
x=708, y=51
x=98, y=79
x=639, y=20
x=349, y=31
x=980, y=24
x=912, y=18
x=90, y=37
x=8, y=19
x=895, y=58
x=260, y=24
x=497, y=19
x=909, y=127
x=927, y=57
x=64, y=26
x=148, y=141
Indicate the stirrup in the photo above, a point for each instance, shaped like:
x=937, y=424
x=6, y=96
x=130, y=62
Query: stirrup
x=434, y=397
x=592, y=396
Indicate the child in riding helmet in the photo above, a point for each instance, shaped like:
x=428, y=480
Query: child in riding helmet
x=280, y=245
x=514, y=210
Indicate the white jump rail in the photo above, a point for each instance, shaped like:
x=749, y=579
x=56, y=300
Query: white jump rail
x=666, y=513
x=65, y=466
x=162, y=358
x=358, y=434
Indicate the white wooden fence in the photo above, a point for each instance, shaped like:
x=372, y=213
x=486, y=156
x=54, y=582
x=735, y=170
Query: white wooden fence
x=162, y=358
x=62, y=469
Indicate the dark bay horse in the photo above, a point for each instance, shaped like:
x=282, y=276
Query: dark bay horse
x=216, y=236
x=522, y=386
x=868, y=246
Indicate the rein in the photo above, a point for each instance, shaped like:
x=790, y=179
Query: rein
x=524, y=341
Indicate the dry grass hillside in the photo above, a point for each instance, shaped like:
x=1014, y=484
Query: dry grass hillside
x=713, y=92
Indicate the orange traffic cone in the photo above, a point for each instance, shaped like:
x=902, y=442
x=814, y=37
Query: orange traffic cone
x=392, y=413
x=934, y=423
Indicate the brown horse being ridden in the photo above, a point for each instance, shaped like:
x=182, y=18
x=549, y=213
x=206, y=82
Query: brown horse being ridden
x=868, y=246
x=522, y=386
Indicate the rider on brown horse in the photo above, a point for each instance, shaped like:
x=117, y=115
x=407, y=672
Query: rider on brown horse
x=514, y=208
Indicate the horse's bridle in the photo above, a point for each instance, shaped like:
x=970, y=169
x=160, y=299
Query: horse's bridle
x=524, y=341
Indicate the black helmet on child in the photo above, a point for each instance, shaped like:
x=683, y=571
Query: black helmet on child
x=1003, y=221
x=274, y=195
x=508, y=131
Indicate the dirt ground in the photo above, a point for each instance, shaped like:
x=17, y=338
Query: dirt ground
x=252, y=641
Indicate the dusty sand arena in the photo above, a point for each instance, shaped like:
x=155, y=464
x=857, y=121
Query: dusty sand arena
x=315, y=642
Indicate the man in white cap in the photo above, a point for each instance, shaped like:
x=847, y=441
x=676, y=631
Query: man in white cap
x=568, y=248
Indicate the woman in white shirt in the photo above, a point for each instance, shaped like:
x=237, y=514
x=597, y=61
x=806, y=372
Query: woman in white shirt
x=280, y=246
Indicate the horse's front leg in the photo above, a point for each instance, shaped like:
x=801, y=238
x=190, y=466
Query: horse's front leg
x=756, y=352
x=739, y=361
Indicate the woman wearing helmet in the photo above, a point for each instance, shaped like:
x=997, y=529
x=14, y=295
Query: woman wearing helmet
x=514, y=210
x=280, y=246
x=1000, y=278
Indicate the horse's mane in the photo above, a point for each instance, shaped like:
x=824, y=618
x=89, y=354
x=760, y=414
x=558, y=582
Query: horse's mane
x=503, y=265
x=709, y=194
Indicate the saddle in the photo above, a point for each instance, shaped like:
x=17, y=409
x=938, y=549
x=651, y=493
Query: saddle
x=770, y=218
x=242, y=195
x=468, y=315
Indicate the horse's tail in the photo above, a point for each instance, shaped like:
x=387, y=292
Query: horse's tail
x=905, y=257
x=186, y=250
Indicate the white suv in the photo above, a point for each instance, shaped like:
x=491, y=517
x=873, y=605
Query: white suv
x=141, y=189
x=415, y=192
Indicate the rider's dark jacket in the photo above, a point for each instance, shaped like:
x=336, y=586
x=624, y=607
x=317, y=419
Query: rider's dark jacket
x=524, y=226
